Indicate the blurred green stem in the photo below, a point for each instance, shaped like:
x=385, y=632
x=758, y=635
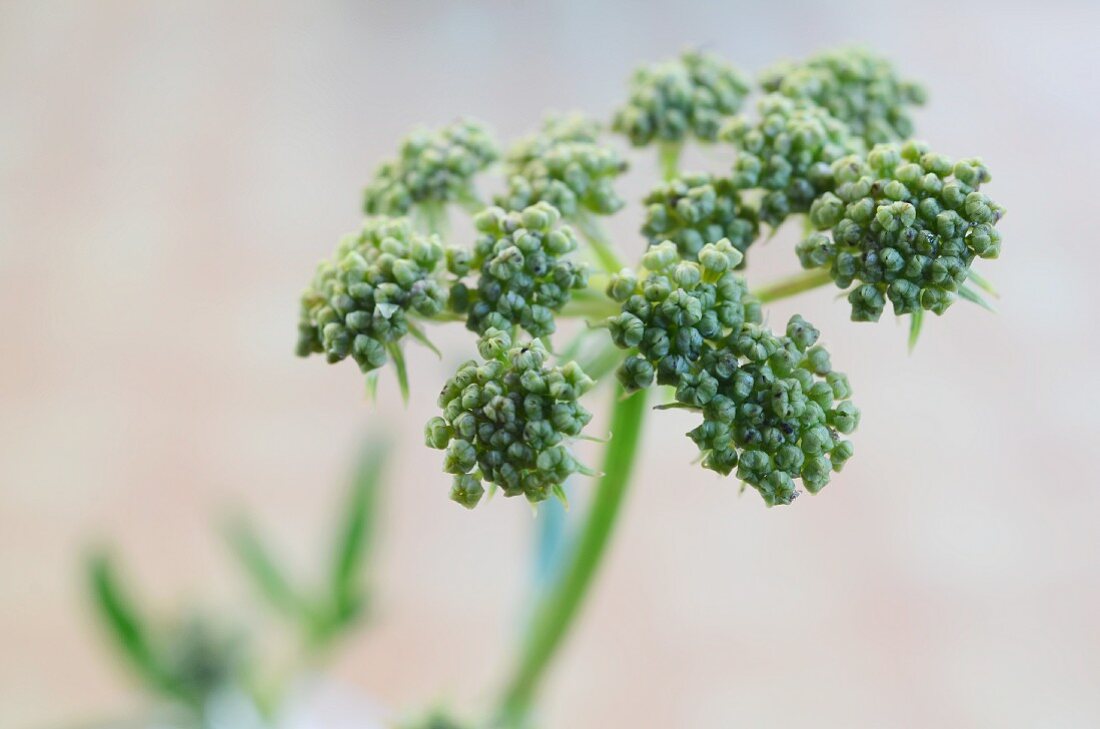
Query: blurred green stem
x=559, y=605
x=792, y=285
x=668, y=156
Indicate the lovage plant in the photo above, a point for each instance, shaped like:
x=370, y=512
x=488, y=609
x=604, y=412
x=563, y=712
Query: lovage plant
x=826, y=142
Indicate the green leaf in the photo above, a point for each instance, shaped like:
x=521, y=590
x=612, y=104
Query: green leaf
x=356, y=533
x=262, y=568
x=120, y=616
x=400, y=368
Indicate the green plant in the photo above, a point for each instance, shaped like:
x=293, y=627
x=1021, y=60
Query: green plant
x=198, y=663
x=885, y=220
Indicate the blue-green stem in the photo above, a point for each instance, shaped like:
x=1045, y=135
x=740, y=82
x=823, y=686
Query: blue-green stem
x=559, y=605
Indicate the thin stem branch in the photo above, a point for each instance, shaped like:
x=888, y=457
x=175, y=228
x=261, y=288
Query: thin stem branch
x=793, y=285
x=559, y=605
x=668, y=157
x=591, y=230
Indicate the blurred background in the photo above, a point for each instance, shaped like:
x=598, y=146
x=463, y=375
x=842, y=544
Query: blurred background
x=171, y=172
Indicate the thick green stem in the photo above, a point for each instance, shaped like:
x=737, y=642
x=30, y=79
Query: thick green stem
x=792, y=285
x=557, y=609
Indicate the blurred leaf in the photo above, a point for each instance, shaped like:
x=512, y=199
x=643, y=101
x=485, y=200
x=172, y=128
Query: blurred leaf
x=120, y=616
x=356, y=534
x=262, y=568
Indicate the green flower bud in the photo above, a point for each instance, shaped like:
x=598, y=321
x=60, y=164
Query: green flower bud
x=467, y=490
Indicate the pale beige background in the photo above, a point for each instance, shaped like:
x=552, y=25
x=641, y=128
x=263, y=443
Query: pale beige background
x=169, y=174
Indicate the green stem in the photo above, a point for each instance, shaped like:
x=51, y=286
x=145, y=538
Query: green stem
x=668, y=156
x=604, y=251
x=792, y=285
x=558, y=607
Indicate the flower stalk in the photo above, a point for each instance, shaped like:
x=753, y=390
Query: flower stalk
x=560, y=604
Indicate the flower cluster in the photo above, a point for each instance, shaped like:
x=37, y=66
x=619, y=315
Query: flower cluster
x=788, y=151
x=689, y=95
x=905, y=224
x=696, y=209
x=566, y=166
x=556, y=129
x=768, y=402
x=432, y=168
x=856, y=86
x=524, y=275
x=505, y=422
x=359, y=302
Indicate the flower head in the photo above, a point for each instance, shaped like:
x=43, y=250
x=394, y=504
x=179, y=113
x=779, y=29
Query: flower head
x=506, y=421
x=565, y=166
x=359, y=302
x=769, y=402
x=525, y=276
x=695, y=209
x=858, y=87
x=788, y=152
x=432, y=167
x=904, y=225
x=685, y=96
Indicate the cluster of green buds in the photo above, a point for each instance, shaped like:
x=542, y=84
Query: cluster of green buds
x=787, y=151
x=860, y=88
x=682, y=97
x=904, y=224
x=769, y=403
x=433, y=168
x=564, y=165
x=693, y=210
x=360, y=301
x=524, y=275
x=506, y=422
